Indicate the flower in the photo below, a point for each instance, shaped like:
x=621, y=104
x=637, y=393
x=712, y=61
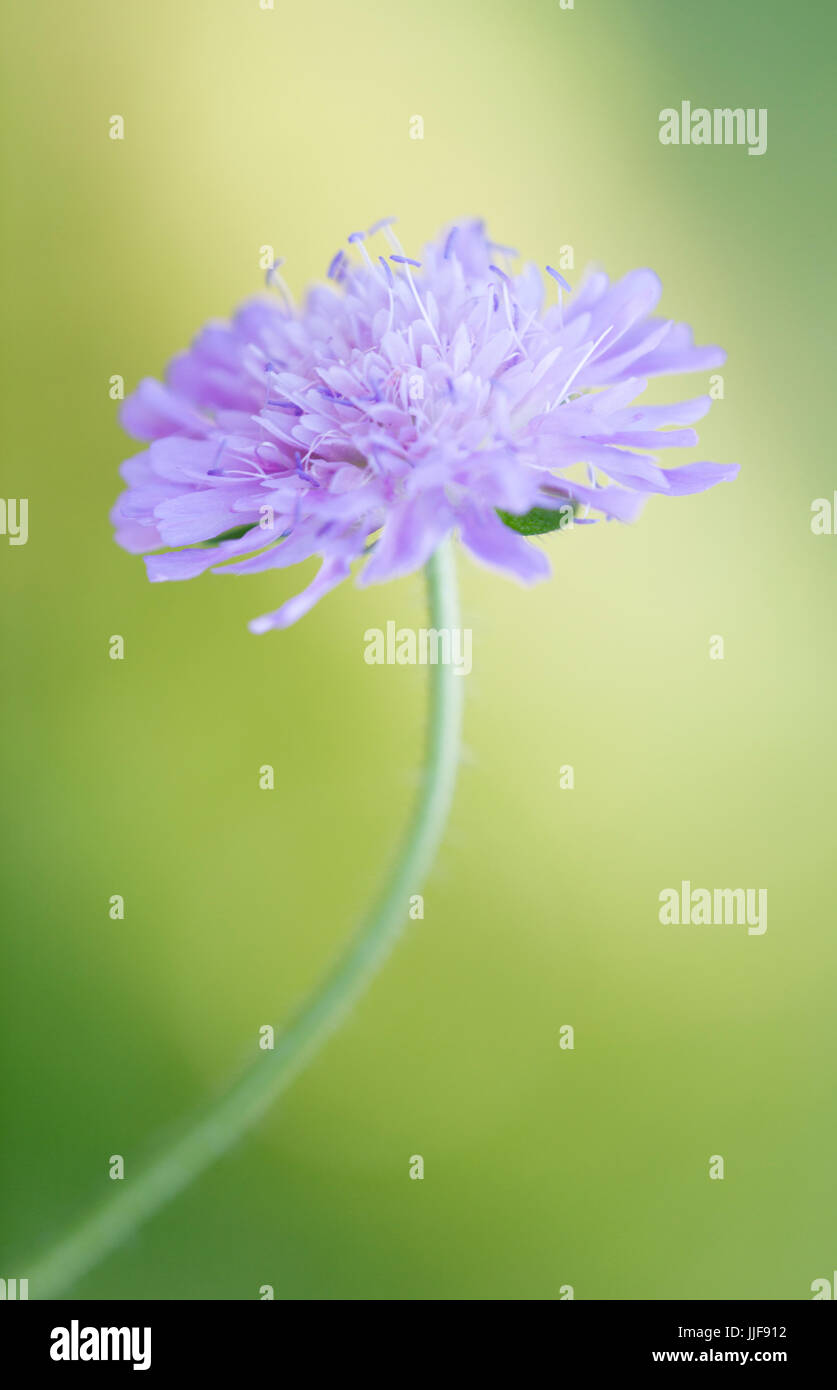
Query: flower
x=406, y=400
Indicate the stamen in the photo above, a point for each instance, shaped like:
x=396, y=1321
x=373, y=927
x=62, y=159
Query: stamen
x=585, y=359
x=561, y=281
x=336, y=265
x=300, y=470
x=390, y=279
x=379, y=226
x=320, y=439
x=562, y=284
x=294, y=518
x=449, y=243
x=512, y=324
x=273, y=278
x=357, y=239
x=214, y=471
x=391, y=237
x=407, y=262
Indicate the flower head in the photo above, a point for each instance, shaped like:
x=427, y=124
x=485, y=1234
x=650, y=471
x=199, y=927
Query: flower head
x=407, y=399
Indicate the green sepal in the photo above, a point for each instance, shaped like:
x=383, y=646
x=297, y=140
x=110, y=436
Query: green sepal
x=231, y=535
x=540, y=519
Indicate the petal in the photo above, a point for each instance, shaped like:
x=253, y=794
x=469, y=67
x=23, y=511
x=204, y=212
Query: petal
x=153, y=410
x=196, y=516
x=616, y=503
x=410, y=535
x=137, y=538
x=179, y=459
x=331, y=573
x=189, y=563
x=487, y=537
x=697, y=477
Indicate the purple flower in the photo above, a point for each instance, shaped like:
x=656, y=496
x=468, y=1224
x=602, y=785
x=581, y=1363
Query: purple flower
x=406, y=400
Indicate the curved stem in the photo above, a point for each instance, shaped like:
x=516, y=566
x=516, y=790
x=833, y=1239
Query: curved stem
x=107, y=1226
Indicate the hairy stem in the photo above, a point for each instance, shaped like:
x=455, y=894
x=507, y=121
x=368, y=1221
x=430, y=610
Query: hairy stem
x=137, y=1199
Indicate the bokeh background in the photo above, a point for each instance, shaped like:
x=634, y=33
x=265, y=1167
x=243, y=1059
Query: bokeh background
x=543, y=1167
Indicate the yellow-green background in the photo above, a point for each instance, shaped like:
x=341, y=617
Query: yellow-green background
x=543, y=1167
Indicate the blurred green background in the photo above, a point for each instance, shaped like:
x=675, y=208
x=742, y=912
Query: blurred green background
x=544, y=1167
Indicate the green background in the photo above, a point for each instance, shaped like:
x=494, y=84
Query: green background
x=544, y=1167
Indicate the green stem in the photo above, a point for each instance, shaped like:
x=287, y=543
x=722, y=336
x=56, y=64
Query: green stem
x=104, y=1229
